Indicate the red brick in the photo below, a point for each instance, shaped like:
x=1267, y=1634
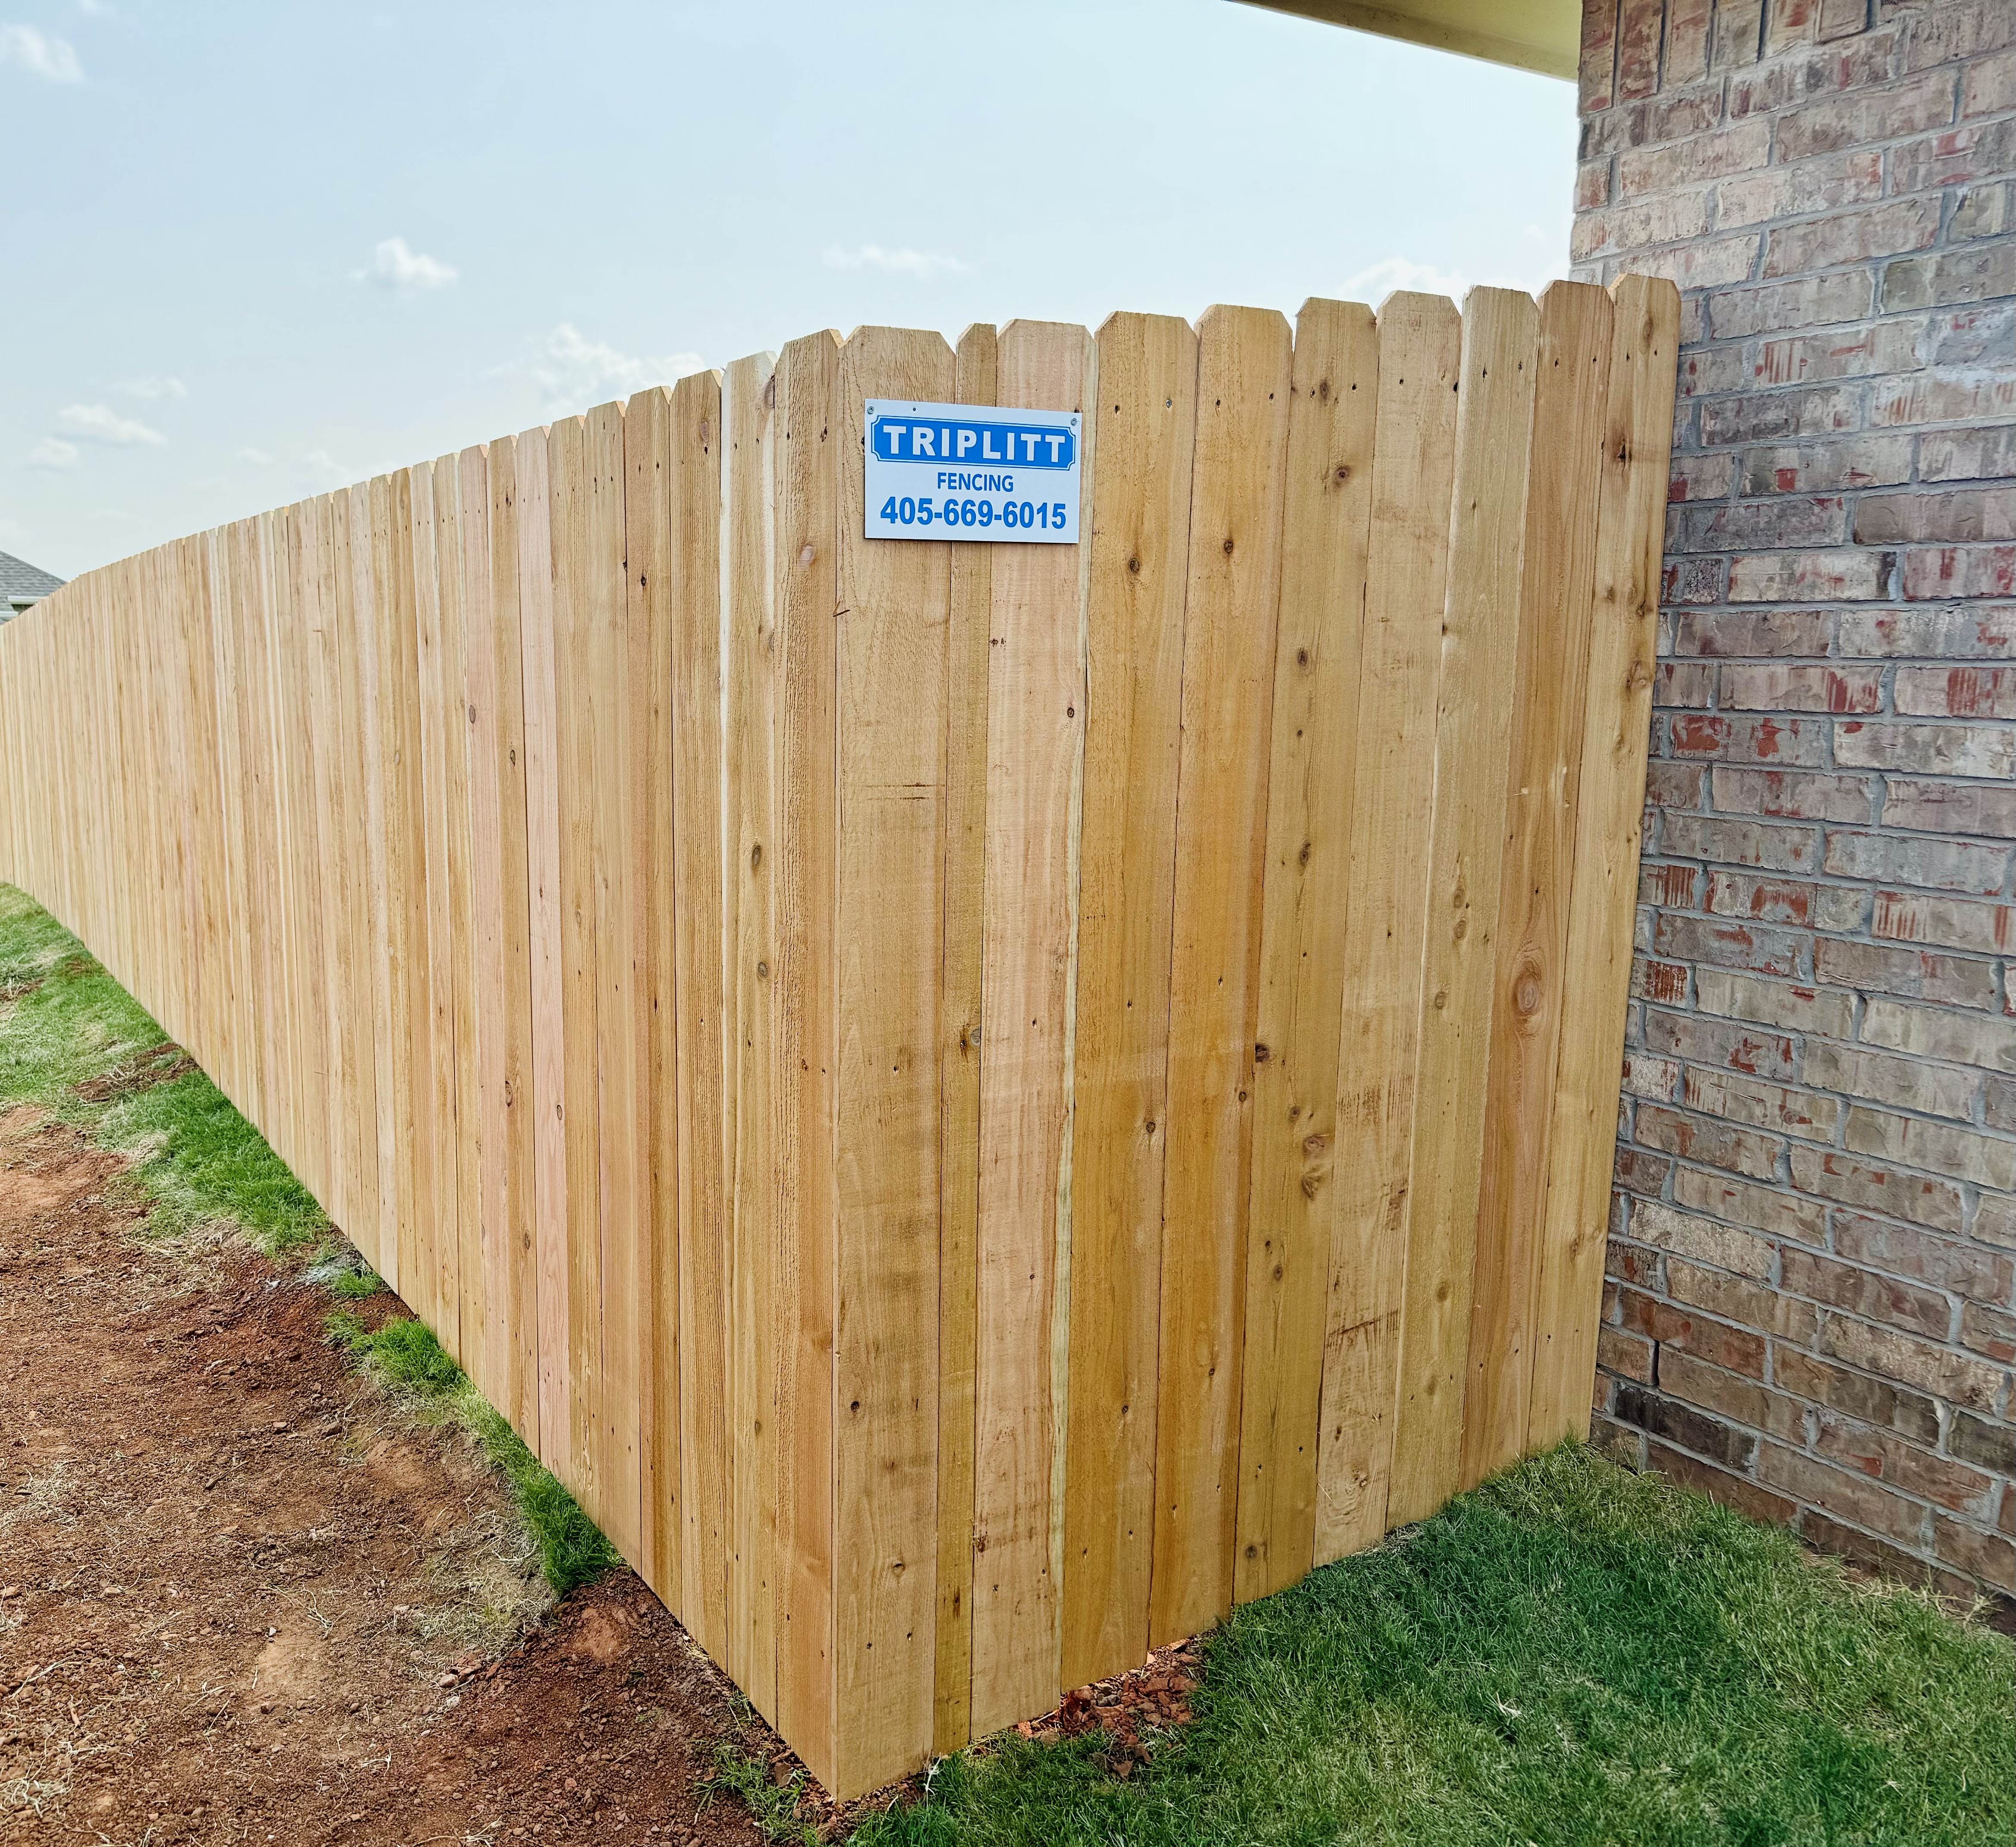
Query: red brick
x=1645, y=1075
x=1743, y=843
x=1943, y=396
x=1790, y=22
x=1908, y=1251
x=1990, y=1331
x=1796, y=795
x=1824, y=185
x=1701, y=1240
x=1982, y=1555
x=1720, y=1042
x=1976, y=1384
x=1700, y=477
x=1638, y=1171
x=1598, y=61
x=1686, y=41
x=1773, y=740
x=1825, y=1534
x=1759, y=1104
x=1828, y=1174
x=1708, y=1387
x=1988, y=87
x=1934, y=749
x=1844, y=575
x=1818, y=73
x=1937, y=575
x=1665, y=1417
x=1815, y=301
x=1968, y=454
x=1956, y=29
x=1867, y=1293
x=1903, y=225
x=1793, y=520
x=1639, y=25
x=1682, y=683
x=1763, y=950
x=1902, y=1466
x=1874, y=1401
x=1755, y=632
x=1850, y=1496
x=1947, y=808
x=1679, y=218
x=1771, y=1004
x=1949, y=158
x=1776, y=687
x=1959, y=692
x=1872, y=1076
x=1774, y=416
x=1739, y=1349
x=1672, y=886
x=1775, y=1211
x=1990, y=1443
x=1935, y=1147
x=1658, y=981
x=1944, y=278
x=1696, y=160
x=1714, y=1144
x=1675, y=785
x=1692, y=580
x=1627, y=1355
x=1951, y=923
x=1965, y=516
x=1920, y=974
x=1780, y=900
x=1866, y=117
x=1700, y=263
x=1736, y=1491
x=1935, y=1032
x=1984, y=633
x=1827, y=465
x=1944, y=865
x=1630, y=1263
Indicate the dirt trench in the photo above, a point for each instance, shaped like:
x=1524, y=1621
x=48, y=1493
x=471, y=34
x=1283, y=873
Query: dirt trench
x=244, y=1598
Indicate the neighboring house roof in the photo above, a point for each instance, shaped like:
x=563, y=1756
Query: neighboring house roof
x=21, y=583
x=1542, y=35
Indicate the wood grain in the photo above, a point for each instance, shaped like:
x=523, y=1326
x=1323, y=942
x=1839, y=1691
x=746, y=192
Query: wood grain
x=1326, y=530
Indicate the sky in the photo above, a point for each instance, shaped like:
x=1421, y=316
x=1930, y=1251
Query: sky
x=252, y=253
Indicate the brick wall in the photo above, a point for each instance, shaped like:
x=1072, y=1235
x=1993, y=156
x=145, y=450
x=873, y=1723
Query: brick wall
x=1810, y=1312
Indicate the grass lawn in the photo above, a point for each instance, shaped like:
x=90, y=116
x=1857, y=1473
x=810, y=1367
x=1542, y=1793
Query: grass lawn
x=1572, y=1654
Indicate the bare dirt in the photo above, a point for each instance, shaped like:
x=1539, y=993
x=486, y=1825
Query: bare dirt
x=244, y=1597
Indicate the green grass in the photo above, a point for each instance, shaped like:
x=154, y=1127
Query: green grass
x=66, y=1027
x=1571, y=1654
x=74, y=1044
x=404, y=1356
x=773, y=1806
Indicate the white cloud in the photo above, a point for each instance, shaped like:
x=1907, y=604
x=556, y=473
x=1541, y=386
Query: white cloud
x=54, y=59
x=151, y=388
x=258, y=458
x=572, y=372
x=396, y=266
x=100, y=423
x=53, y=452
x=1398, y=273
x=921, y=264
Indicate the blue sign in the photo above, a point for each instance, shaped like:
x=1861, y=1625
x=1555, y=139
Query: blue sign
x=950, y=471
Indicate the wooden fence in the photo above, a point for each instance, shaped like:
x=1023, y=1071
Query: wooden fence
x=977, y=1104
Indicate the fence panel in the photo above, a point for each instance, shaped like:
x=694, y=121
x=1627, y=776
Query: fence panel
x=975, y=1104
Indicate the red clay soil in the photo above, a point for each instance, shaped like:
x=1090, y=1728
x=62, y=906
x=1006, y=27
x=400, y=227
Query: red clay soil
x=243, y=1598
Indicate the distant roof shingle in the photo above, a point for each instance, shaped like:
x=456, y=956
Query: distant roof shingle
x=19, y=578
